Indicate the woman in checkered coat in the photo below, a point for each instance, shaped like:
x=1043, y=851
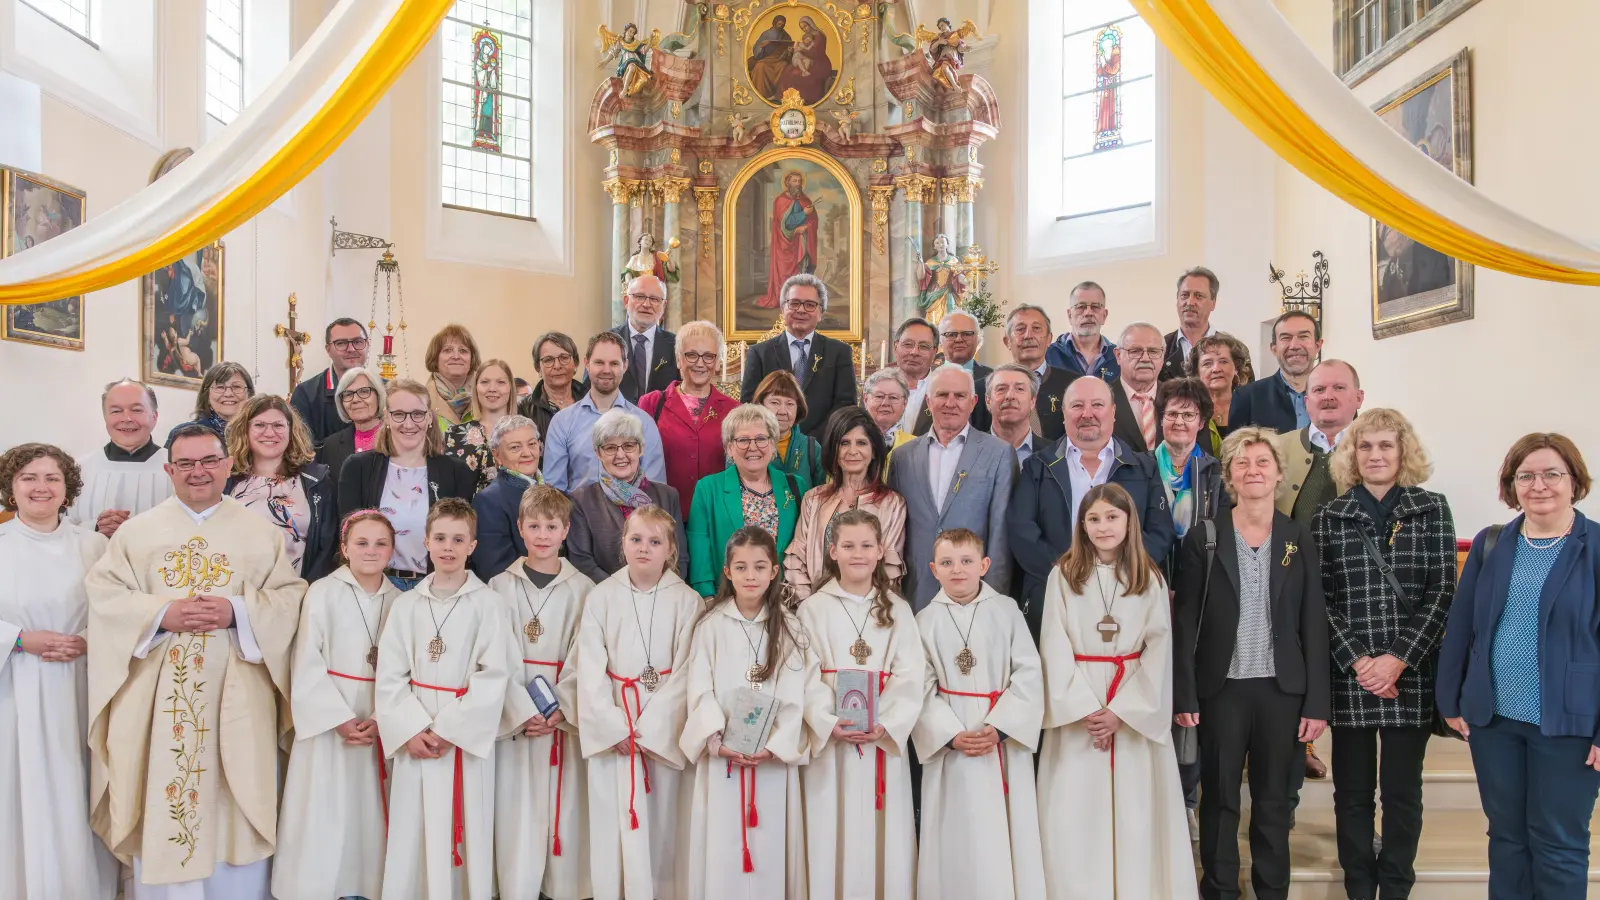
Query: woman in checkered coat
x=1384, y=647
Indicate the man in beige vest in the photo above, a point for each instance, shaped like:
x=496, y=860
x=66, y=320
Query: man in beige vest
x=192, y=611
x=1333, y=397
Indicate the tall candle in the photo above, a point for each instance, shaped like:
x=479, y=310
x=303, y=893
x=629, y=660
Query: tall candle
x=883, y=354
x=724, y=365
x=863, y=360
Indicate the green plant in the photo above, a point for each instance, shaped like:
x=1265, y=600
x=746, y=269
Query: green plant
x=988, y=311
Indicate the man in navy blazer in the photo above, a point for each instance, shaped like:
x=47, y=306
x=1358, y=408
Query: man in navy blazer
x=821, y=363
x=652, y=350
x=1044, y=505
x=1279, y=400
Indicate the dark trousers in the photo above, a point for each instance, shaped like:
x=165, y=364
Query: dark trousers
x=1539, y=796
x=1359, y=771
x=1249, y=720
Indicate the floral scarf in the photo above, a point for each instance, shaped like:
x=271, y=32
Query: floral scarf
x=1180, y=486
x=458, y=399
x=628, y=496
x=535, y=478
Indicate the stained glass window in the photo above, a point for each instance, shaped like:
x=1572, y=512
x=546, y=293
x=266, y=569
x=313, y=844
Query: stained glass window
x=73, y=15
x=1108, y=108
x=487, y=107
x=224, y=59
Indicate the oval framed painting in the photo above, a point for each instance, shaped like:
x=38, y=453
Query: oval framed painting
x=793, y=46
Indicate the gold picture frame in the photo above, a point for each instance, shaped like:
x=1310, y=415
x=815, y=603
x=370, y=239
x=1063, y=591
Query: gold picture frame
x=746, y=295
x=793, y=45
x=178, y=340
x=35, y=209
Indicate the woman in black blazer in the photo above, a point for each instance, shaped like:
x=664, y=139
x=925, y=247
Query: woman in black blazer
x=273, y=475
x=360, y=400
x=1250, y=647
x=403, y=475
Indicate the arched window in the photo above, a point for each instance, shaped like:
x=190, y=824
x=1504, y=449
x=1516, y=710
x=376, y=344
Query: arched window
x=224, y=59
x=487, y=106
x=76, y=16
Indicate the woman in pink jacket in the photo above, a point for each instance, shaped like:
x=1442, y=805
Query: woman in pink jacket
x=689, y=413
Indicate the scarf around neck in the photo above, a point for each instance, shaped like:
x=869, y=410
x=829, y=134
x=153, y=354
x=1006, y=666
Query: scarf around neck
x=628, y=496
x=1181, y=485
x=458, y=399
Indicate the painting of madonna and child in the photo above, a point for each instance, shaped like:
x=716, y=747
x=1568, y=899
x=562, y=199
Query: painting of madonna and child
x=790, y=51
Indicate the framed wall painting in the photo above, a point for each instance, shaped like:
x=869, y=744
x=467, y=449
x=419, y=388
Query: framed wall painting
x=1414, y=286
x=797, y=46
x=180, y=319
x=791, y=210
x=37, y=209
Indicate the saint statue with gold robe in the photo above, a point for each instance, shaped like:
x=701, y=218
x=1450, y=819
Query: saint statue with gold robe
x=941, y=284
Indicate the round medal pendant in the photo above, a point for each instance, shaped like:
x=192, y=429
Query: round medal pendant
x=533, y=630
x=965, y=661
x=372, y=657
x=650, y=678
x=861, y=650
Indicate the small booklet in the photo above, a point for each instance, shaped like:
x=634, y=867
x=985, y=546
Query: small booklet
x=855, y=696
x=749, y=723
x=544, y=698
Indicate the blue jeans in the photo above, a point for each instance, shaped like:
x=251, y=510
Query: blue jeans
x=1539, y=796
x=404, y=584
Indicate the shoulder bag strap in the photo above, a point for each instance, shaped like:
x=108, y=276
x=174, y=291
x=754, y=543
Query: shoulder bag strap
x=1205, y=586
x=1386, y=569
x=1490, y=539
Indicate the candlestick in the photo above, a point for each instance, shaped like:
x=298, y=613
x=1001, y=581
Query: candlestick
x=883, y=354
x=724, y=364
x=863, y=360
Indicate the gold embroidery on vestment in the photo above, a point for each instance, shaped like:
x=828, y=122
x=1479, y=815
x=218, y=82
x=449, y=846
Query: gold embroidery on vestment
x=189, y=736
x=193, y=569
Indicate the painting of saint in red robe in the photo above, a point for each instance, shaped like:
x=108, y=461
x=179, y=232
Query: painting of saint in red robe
x=794, y=237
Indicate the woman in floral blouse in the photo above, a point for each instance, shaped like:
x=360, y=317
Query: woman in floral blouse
x=494, y=396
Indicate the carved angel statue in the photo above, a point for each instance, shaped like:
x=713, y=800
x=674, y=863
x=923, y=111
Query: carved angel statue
x=846, y=126
x=632, y=54
x=947, y=48
x=736, y=122
x=648, y=261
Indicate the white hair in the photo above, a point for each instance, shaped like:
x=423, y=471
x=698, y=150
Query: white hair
x=508, y=424
x=972, y=383
x=619, y=424
x=348, y=378
x=975, y=326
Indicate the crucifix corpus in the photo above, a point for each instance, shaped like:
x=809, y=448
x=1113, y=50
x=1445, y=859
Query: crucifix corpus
x=295, y=339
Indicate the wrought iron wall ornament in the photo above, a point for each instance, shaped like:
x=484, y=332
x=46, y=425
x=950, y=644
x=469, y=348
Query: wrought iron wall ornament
x=1305, y=294
x=349, y=240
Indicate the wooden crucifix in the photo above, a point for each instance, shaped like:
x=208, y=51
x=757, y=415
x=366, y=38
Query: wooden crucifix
x=295, y=339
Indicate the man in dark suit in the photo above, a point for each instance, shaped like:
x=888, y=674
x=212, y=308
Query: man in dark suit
x=652, y=350
x=960, y=337
x=346, y=342
x=821, y=363
x=915, y=343
x=1027, y=337
x=1197, y=297
x=1134, y=394
x=1279, y=400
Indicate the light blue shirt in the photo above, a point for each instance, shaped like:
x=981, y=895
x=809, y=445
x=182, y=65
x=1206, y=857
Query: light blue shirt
x=1514, y=656
x=570, y=461
x=1302, y=418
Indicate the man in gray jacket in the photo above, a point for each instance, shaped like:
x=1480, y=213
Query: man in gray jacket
x=955, y=476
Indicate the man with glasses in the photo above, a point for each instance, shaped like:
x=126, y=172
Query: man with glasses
x=652, y=350
x=1084, y=350
x=915, y=343
x=822, y=364
x=192, y=611
x=570, y=459
x=1027, y=337
x=884, y=396
x=1139, y=356
x=345, y=339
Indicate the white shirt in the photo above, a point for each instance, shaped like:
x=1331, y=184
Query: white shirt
x=649, y=335
x=1187, y=346
x=1320, y=440
x=919, y=392
x=943, y=460
x=1082, y=481
x=200, y=517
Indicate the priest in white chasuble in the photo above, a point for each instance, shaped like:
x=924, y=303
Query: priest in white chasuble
x=127, y=476
x=985, y=694
x=192, y=612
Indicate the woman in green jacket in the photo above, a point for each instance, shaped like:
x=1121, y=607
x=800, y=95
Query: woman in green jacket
x=797, y=453
x=753, y=491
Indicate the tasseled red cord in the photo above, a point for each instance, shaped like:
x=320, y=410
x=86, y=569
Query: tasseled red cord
x=754, y=820
x=635, y=816
x=748, y=865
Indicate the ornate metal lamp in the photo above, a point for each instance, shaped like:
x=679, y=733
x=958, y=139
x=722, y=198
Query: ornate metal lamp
x=388, y=270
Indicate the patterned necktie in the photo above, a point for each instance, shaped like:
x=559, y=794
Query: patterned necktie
x=640, y=376
x=801, y=359
x=1147, y=418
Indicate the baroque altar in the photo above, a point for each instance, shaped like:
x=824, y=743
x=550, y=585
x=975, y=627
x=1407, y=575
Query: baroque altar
x=821, y=137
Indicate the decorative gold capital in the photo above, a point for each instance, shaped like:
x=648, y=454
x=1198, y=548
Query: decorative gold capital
x=620, y=189
x=670, y=188
x=962, y=189
x=706, y=200
x=881, y=195
x=918, y=188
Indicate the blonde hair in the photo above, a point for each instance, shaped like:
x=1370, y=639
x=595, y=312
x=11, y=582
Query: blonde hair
x=700, y=329
x=1415, y=463
x=660, y=518
x=1244, y=437
x=433, y=438
x=236, y=437
x=511, y=381
x=747, y=414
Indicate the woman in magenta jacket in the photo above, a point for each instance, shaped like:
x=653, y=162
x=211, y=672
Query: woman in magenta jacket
x=689, y=413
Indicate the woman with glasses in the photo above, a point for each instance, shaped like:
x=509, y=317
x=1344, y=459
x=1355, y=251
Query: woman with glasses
x=494, y=396
x=403, y=475
x=517, y=450
x=796, y=452
x=223, y=390
x=689, y=412
x=594, y=542
x=555, y=355
x=752, y=491
x=452, y=360
x=359, y=399
x=1221, y=362
x=1519, y=673
x=274, y=476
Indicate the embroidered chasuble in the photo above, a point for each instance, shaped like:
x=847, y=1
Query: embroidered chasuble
x=441, y=811
x=185, y=728
x=540, y=807
x=1113, y=830
x=335, y=795
x=860, y=834
x=980, y=818
x=746, y=838
x=635, y=798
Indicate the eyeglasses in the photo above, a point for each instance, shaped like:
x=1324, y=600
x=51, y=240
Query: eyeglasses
x=559, y=359
x=881, y=396
x=1147, y=353
x=923, y=346
x=230, y=390
x=628, y=447
x=187, y=465
x=344, y=344
x=803, y=305
x=952, y=335
x=706, y=358
x=759, y=442
x=646, y=298
x=269, y=427
x=1549, y=479
x=1188, y=417
x=361, y=393
x=419, y=416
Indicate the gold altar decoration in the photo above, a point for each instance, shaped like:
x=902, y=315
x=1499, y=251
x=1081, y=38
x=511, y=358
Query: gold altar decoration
x=706, y=199
x=742, y=95
x=793, y=123
x=881, y=195
x=846, y=96
x=976, y=267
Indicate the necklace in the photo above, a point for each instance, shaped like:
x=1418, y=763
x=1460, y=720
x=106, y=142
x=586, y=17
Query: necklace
x=372, y=652
x=648, y=676
x=1552, y=541
x=965, y=660
x=860, y=649
x=751, y=674
x=535, y=628
x=436, y=646
x=1107, y=626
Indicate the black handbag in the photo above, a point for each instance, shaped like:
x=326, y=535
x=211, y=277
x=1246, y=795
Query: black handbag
x=1186, y=741
x=1437, y=725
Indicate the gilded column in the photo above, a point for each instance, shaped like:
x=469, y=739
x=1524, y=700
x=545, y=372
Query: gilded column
x=918, y=189
x=705, y=200
x=620, y=190
x=670, y=189
x=965, y=190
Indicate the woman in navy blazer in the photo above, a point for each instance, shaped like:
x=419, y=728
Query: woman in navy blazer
x=1519, y=673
